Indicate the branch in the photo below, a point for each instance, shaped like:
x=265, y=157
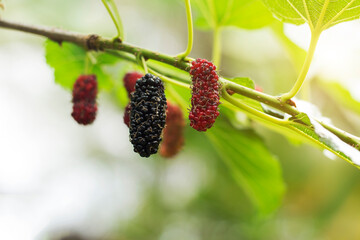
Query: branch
x=97, y=43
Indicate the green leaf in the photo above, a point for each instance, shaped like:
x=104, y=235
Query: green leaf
x=69, y=61
x=318, y=14
x=253, y=167
x=248, y=14
x=244, y=81
x=317, y=134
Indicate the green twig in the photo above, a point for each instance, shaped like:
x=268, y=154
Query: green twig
x=305, y=69
x=253, y=111
x=216, y=51
x=169, y=80
x=190, y=31
x=115, y=18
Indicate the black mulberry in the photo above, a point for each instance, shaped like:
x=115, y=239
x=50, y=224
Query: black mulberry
x=148, y=114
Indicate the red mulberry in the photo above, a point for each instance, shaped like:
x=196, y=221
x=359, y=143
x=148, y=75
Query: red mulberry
x=205, y=95
x=84, y=99
x=84, y=112
x=147, y=116
x=130, y=81
x=85, y=88
x=173, y=136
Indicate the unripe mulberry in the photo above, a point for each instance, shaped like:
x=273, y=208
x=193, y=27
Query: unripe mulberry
x=173, y=136
x=205, y=95
x=84, y=99
x=84, y=112
x=130, y=81
x=147, y=116
x=85, y=88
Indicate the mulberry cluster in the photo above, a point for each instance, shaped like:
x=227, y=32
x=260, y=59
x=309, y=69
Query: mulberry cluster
x=173, y=135
x=147, y=115
x=205, y=95
x=84, y=99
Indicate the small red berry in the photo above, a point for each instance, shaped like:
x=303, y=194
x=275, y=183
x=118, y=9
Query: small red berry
x=84, y=99
x=84, y=112
x=173, y=134
x=205, y=95
x=85, y=88
x=130, y=81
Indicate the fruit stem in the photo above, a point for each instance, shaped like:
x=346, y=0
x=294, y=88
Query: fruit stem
x=168, y=80
x=115, y=17
x=305, y=69
x=216, y=51
x=190, y=31
x=142, y=62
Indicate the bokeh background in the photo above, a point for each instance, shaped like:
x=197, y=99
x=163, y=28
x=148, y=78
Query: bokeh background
x=59, y=179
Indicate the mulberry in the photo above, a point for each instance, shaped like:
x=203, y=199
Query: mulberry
x=173, y=136
x=130, y=81
x=84, y=99
x=84, y=112
x=85, y=88
x=147, y=116
x=205, y=95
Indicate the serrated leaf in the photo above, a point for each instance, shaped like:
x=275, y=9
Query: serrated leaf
x=321, y=14
x=69, y=61
x=253, y=167
x=248, y=14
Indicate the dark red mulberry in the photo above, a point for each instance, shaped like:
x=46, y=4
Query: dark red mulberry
x=127, y=115
x=173, y=135
x=84, y=112
x=205, y=95
x=85, y=88
x=130, y=81
x=147, y=115
x=84, y=99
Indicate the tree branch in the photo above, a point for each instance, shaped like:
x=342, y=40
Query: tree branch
x=97, y=43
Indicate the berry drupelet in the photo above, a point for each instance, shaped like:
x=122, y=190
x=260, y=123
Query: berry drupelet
x=205, y=95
